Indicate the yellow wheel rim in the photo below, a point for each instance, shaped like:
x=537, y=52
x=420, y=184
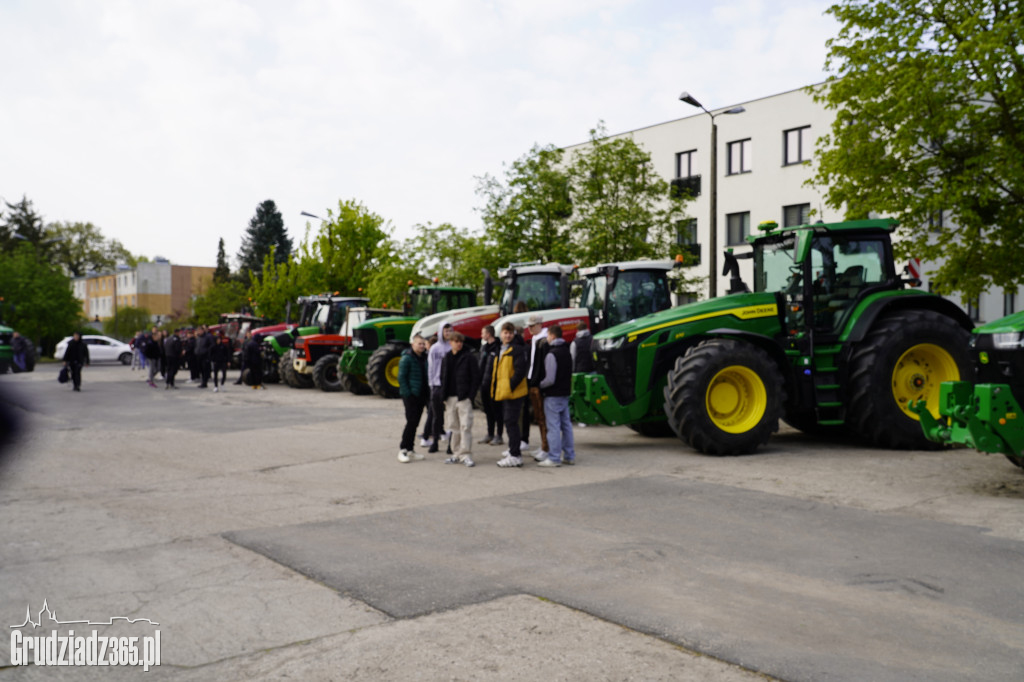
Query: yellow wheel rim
x=736, y=399
x=391, y=371
x=919, y=374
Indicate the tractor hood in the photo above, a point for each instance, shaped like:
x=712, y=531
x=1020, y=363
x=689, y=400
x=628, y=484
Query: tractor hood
x=724, y=312
x=468, y=321
x=567, y=318
x=1006, y=325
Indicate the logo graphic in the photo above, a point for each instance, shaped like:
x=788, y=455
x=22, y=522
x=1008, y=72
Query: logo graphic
x=55, y=649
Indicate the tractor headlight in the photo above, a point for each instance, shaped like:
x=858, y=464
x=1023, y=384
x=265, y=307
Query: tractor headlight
x=1008, y=340
x=610, y=344
x=357, y=342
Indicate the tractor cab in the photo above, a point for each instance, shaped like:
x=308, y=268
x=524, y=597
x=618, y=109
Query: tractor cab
x=428, y=300
x=618, y=292
x=822, y=272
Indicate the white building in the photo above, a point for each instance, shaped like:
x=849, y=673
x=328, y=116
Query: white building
x=763, y=154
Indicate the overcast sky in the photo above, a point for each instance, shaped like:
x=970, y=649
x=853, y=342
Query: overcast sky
x=166, y=123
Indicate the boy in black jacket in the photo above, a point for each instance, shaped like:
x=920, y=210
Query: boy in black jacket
x=460, y=380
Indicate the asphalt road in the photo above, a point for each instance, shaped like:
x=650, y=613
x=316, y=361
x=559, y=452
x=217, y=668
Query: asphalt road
x=272, y=533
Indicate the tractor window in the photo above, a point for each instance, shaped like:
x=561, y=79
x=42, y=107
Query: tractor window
x=637, y=293
x=775, y=270
x=594, y=291
x=842, y=268
x=422, y=303
x=538, y=291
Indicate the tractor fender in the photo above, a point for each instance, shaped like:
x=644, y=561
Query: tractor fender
x=868, y=312
x=665, y=357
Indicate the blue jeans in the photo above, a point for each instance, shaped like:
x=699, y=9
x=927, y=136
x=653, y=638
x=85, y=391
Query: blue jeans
x=556, y=412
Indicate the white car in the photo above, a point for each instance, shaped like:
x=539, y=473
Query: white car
x=101, y=349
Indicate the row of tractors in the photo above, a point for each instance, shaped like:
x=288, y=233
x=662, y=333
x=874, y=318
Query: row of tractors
x=829, y=338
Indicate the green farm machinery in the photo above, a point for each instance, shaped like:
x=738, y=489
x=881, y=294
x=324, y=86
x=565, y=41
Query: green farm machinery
x=830, y=339
x=986, y=416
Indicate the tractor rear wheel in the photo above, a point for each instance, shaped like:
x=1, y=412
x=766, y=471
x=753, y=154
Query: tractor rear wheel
x=382, y=370
x=903, y=359
x=355, y=383
x=724, y=397
x=325, y=373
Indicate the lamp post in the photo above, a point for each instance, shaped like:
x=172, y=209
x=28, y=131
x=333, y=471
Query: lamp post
x=712, y=191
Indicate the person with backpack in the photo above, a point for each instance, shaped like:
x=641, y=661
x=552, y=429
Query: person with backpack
x=76, y=355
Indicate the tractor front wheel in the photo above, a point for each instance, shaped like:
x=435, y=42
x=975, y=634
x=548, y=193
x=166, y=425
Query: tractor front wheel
x=355, y=383
x=382, y=370
x=325, y=373
x=904, y=359
x=653, y=429
x=724, y=397
x=286, y=371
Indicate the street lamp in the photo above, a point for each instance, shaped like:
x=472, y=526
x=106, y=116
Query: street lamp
x=310, y=215
x=712, y=191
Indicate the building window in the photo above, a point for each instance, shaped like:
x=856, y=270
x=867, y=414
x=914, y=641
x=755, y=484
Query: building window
x=796, y=145
x=686, y=238
x=684, y=164
x=740, y=157
x=974, y=310
x=1009, y=303
x=738, y=226
x=935, y=221
x=797, y=214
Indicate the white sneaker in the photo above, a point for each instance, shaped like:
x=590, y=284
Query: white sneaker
x=416, y=456
x=403, y=456
x=510, y=461
x=524, y=446
x=540, y=456
x=549, y=463
x=216, y=389
x=468, y=461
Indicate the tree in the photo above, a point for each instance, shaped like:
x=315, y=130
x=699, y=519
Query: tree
x=222, y=273
x=21, y=223
x=525, y=216
x=452, y=255
x=622, y=210
x=126, y=321
x=266, y=231
x=81, y=247
x=929, y=100
x=222, y=297
x=37, y=297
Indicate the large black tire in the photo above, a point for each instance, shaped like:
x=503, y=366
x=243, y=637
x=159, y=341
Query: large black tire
x=355, y=383
x=285, y=370
x=741, y=384
x=325, y=373
x=905, y=357
x=303, y=380
x=382, y=370
x=653, y=429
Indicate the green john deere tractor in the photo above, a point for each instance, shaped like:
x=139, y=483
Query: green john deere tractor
x=370, y=365
x=830, y=339
x=986, y=416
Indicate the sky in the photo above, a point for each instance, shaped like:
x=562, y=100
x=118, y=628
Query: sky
x=166, y=123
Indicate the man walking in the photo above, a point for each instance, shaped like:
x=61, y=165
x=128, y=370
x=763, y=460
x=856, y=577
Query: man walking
x=434, y=359
x=508, y=387
x=538, y=349
x=76, y=355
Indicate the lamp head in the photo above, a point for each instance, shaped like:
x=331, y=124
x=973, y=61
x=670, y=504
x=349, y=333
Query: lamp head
x=690, y=99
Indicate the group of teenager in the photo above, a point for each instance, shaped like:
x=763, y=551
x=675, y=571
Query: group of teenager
x=520, y=382
x=202, y=353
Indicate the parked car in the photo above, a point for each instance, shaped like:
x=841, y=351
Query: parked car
x=101, y=349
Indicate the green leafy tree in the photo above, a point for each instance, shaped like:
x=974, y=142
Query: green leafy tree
x=222, y=273
x=222, y=297
x=525, y=216
x=622, y=210
x=389, y=283
x=37, y=297
x=81, y=247
x=453, y=255
x=126, y=321
x=929, y=102
x=266, y=231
